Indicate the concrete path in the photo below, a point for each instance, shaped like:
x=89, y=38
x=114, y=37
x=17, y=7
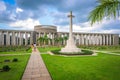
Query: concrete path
x=36, y=69
x=106, y=52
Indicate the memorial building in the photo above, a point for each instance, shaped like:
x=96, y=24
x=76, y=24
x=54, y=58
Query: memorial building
x=25, y=37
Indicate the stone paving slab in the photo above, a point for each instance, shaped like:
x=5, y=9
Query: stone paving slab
x=36, y=69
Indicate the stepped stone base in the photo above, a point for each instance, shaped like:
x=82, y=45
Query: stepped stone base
x=70, y=47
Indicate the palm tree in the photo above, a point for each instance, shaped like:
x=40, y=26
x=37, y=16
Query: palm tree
x=65, y=38
x=56, y=41
x=41, y=40
x=106, y=8
x=60, y=40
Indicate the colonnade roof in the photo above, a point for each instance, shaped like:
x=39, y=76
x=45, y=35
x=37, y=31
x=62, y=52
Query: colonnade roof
x=16, y=30
x=56, y=32
x=85, y=33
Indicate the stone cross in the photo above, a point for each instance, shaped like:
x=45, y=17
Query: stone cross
x=70, y=16
x=70, y=47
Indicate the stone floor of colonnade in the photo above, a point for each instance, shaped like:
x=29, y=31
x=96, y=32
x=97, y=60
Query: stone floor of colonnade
x=36, y=69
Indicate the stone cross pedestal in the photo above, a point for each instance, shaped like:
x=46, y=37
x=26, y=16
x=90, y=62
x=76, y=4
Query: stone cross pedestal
x=70, y=47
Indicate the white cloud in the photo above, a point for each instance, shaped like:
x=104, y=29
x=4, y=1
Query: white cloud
x=87, y=28
x=2, y=6
x=19, y=10
x=27, y=24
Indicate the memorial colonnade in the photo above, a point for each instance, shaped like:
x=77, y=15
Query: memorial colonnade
x=15, y=37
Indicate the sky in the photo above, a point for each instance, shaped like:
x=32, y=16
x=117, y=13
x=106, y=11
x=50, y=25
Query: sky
x=25, y=14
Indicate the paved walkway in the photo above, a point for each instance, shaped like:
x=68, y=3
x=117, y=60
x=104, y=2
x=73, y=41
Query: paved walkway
x=36, y=69
x=106, y=52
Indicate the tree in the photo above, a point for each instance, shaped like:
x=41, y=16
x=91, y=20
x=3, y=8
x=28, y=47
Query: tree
x=44, y=40
x=56, y=41
x=65, y=38
x=41, y=40
x=106, y=8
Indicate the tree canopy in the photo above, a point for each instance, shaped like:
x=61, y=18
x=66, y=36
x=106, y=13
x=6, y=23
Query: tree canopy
x=106, y=8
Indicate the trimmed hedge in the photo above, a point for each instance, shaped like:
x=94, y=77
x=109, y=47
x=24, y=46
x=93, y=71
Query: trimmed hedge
x=84, y=52
x=15, y=48
x=100, y=47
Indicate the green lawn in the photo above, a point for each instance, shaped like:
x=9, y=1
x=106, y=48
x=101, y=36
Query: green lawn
x=47, y=49
x=101, y=67
x=17, y=68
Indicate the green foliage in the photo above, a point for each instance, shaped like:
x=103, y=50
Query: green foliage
x=84, y=52
x=15, y=49
x=44, y=40
x=6, y=68
x=106, y=8
x=101, y=67
x=15, y=60
x=56, y=51
x=110, y=48
x=87, y=52
x=29, y=50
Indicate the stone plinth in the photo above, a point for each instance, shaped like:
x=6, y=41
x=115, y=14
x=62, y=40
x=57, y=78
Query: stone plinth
x=70, y=47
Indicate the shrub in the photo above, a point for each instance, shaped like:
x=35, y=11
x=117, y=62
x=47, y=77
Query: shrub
x=29, y=50
x=15, y=60
x=6, y=68
x=56, y=51
x=84, y=52
x=7, y=60
x=87, y=52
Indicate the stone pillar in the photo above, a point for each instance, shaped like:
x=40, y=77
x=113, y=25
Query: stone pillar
x=53, y=38
x=20, y=42
x=17, y=35
x=31, y=38
x=49, y=43
x=97, y=39
x=26, y=38
x=7, y=39
x=22, y=38
x=90, y=39
x=107, y=40
x=103, y=39
x=86, y=39
x=13, y=38
x=115, y=39
x=100, y=37
x=93, y=38
x=110, y=39
x=2, y=38
x=82, y=39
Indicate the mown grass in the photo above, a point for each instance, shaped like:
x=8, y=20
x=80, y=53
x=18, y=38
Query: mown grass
x=45, y=49
x=17, y=68
x=101, y=67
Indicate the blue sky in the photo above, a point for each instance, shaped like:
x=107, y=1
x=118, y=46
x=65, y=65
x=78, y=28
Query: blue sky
x=25, y=14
